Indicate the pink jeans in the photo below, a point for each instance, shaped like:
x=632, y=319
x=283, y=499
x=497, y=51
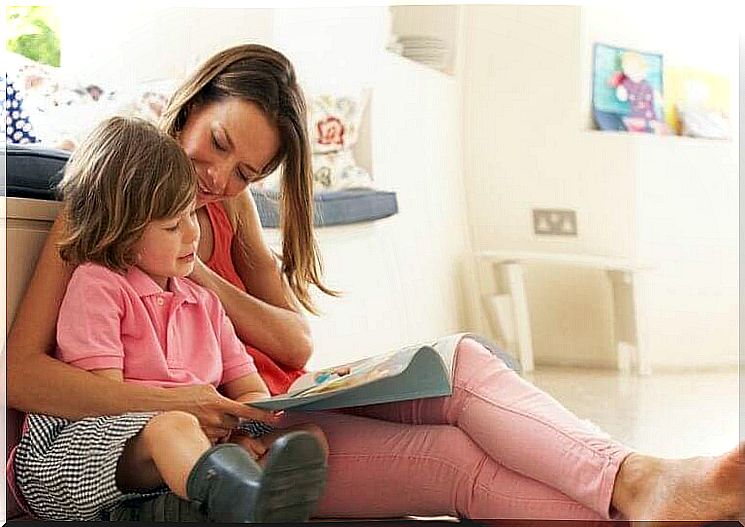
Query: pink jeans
x=497, y=448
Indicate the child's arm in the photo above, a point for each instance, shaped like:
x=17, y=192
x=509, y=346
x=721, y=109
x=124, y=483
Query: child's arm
x=241, y=380
x=246, y=388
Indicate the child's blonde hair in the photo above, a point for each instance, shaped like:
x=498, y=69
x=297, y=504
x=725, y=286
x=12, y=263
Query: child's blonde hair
x=125, y=174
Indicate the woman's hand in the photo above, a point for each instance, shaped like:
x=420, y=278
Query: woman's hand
x=265, y=313
x=199, y=272
x=280, y=332
x=218, y=415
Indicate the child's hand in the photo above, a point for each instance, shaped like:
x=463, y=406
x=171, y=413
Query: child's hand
x=253, y=445
x=217, y=414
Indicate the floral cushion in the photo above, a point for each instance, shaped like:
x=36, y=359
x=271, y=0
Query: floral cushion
x=62, y=111
x=334, y=125
x=335, y=121
x=18, y=129
x=338, y=171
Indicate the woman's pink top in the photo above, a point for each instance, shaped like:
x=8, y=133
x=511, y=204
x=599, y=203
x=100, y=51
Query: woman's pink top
x=277, y=377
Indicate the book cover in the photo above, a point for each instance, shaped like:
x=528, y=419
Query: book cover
x=413, y=372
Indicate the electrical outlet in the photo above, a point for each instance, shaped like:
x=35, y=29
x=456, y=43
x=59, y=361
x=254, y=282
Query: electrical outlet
x=556, y=222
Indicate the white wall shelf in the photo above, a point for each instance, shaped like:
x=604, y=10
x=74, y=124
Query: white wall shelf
x=428, y=21
x=639, y=136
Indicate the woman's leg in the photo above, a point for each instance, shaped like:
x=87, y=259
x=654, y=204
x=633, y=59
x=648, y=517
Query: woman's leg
x=526, y=430
x=383, y=469
x=519, y=426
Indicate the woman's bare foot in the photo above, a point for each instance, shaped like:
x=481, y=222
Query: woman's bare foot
x=695, y=489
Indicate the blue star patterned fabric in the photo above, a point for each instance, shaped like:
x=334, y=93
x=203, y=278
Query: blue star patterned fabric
x=18, y=127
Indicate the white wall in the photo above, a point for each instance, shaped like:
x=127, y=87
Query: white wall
x=333, y=48
x=401, y=277
x=687, y=206
x=521, y=134
x=119, y=45
x=526, y=78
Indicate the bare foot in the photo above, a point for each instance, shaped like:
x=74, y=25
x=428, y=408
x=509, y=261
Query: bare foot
x=695, y=489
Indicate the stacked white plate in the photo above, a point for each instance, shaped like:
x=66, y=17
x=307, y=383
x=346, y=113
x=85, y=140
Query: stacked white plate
x=431, y=51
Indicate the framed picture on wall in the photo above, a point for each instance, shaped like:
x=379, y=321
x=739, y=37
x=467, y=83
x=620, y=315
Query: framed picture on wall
x=627, y=90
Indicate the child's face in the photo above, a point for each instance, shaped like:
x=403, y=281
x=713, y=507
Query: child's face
x=168, y=247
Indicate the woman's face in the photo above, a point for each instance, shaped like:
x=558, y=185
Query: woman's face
x=230, y=143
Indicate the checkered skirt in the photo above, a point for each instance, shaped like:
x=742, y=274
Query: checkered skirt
x=66, y=470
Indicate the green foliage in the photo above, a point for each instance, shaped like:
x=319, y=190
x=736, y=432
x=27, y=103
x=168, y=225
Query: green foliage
x=33, y=31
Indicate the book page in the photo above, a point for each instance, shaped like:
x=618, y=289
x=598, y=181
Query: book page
x=360, y=372
x=445, y=347
x=367, y=370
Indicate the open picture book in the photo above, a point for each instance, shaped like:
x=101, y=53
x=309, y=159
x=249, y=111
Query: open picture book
x=413, y=372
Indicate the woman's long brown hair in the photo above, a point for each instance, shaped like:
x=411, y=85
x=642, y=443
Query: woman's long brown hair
x=264, y=76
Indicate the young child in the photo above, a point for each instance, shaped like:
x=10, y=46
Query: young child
x=129, y=314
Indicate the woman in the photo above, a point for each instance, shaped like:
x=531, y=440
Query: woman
x=497, y=448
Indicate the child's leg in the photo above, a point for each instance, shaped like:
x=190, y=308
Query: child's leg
x=68, y=470
x=165, y=451
x=227, y=483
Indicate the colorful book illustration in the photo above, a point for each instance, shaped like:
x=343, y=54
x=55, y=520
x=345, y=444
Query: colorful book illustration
x=413, y=372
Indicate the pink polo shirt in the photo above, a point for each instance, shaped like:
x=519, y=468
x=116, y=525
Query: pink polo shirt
x=163, y=338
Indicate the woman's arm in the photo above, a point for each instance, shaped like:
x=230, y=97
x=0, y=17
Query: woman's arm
x=36, y=381
x=268, y=317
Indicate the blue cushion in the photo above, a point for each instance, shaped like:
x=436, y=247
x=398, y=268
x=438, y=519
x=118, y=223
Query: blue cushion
x=334, y=208
x=34, y=172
